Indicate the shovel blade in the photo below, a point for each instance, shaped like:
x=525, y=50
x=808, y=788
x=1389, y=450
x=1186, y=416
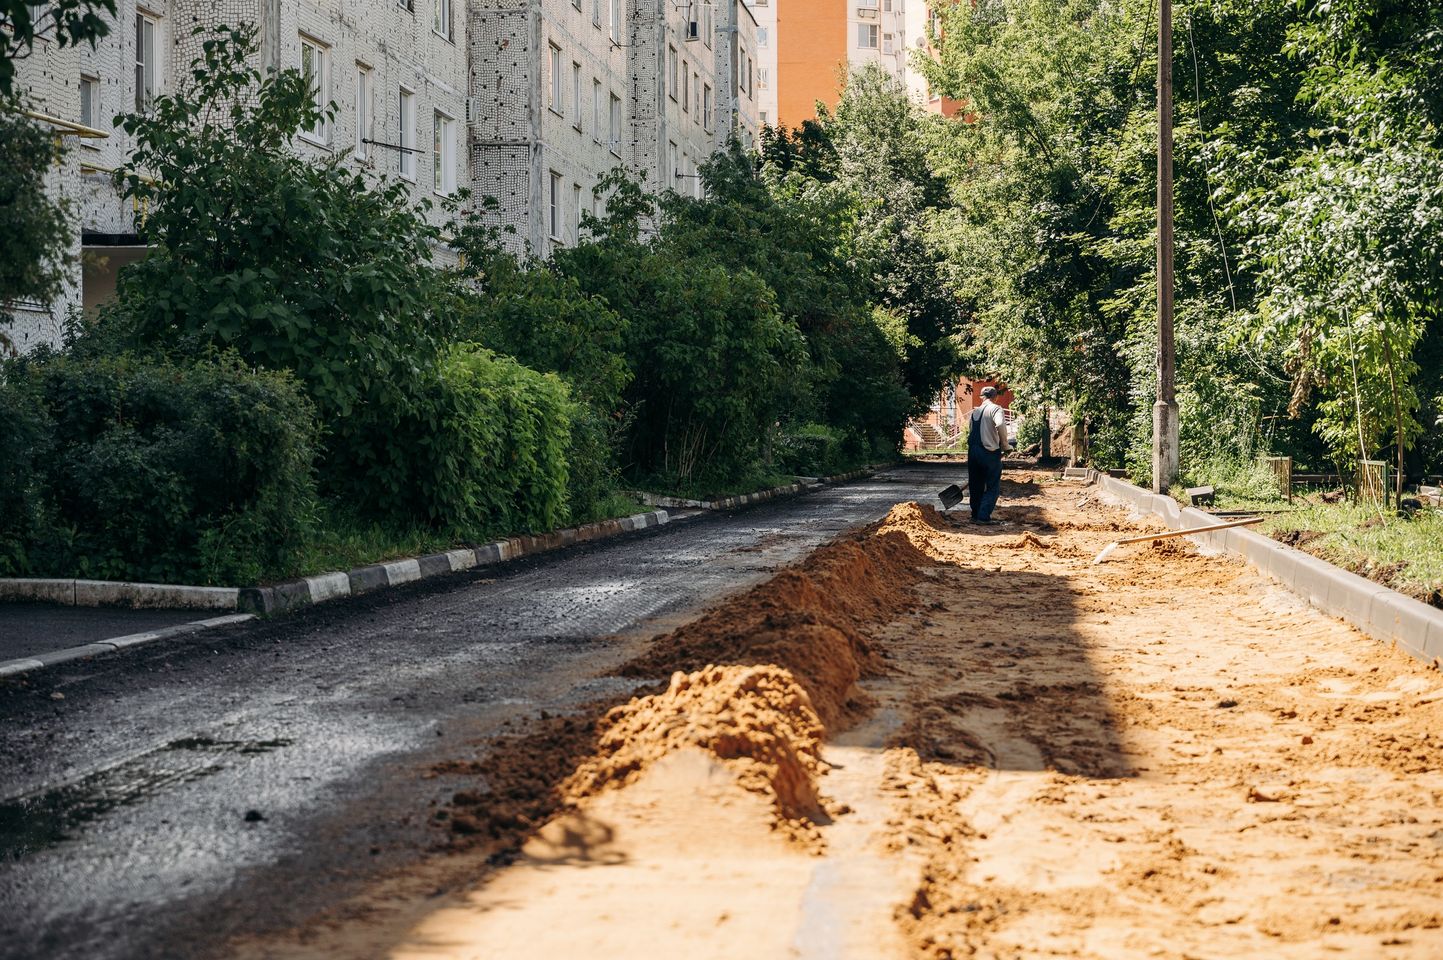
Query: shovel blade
x=1107, y=551
x=951, y=496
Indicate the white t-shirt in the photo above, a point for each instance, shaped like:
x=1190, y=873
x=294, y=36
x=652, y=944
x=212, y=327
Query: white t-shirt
x=992, y=420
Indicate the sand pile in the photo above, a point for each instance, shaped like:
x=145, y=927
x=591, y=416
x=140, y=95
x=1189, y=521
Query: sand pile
x=756, y=681
x=809, y=620
x=757, y=720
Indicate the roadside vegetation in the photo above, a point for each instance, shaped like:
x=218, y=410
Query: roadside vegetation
x=293, y=381
x=1309, y=234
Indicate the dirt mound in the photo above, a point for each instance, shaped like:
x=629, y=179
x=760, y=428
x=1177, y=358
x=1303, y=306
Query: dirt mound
x=757, y=720
x=756, y=681
x=809, y=619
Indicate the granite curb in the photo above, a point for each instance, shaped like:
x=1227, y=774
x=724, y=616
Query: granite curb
x=1376, y=610
x=306, y=591
x=10, y=668
x=281, y=597
x=803, y=485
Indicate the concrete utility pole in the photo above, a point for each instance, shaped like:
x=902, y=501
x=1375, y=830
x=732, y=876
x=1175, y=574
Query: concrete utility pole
x=1164, y=412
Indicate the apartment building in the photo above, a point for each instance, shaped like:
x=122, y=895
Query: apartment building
x=765, y=13
x=527, y=101
x=651, y=85
x=820, y=41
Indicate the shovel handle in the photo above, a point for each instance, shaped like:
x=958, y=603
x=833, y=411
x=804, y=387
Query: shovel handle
x=1193, y=530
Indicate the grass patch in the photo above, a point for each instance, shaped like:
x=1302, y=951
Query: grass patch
x=340, y=542
x=613, y=506
x=1406, y=555
x=751, y=482
x=1237, y=484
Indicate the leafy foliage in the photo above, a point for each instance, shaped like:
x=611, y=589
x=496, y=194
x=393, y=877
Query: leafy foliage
x=124, y=468
x=298, y=265
x=498, y=456
x=64, y=22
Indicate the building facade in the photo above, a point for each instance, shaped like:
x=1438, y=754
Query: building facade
x=820, y=41
x=529, y=102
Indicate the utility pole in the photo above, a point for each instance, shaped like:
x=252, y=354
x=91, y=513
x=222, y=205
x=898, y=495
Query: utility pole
x=1164, y=411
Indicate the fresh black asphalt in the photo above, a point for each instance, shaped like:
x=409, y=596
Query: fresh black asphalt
x=30, y=628
x=126, y=781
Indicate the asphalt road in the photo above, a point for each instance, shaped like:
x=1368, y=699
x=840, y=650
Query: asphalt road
x=126, y=782
x=30, y=628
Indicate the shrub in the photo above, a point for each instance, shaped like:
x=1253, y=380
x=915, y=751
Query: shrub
x=497, y=457
x=295, y=264
x=811, y=450
x=132, y=469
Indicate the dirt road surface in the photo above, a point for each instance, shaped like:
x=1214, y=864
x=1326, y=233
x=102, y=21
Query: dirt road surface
x=939, y=740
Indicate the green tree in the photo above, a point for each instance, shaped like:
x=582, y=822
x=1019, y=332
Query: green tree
x=298, y=265
x=65, y=22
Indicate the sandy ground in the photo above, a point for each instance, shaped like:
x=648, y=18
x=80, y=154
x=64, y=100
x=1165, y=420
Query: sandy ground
x=1025, y=755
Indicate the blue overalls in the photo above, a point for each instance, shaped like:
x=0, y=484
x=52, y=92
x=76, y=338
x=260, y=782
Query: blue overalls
x=984, y=470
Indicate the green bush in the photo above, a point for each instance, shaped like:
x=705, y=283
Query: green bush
x=295, y=264
x=810, y=450
x=131, y=469
x=497, y=456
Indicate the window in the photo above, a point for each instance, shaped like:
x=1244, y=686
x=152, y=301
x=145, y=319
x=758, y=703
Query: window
x=441, y=21
x=706, y=105
x=315, y=66
x=147, y=61
x=764, y=76
x=934, y=22
x=576, y=94
x=671, y=170
x=407, y=114
x=886, y=6
x=867, y=36
x=89, y=102
x=615, y=125
x=576, y=211
x=763, y=37
x=706, y=24
x=596, y=13
x=764, y=118
x=886, y=43
x=685, y=89
x=596, y=108
x=751, y=77
x=696, y=95
x=671, y=70
x=576, y=4
x=554, y=220
x=444, y=155
x=554, y=64
x=616, y=22
x=363, y=110
x=866, y=4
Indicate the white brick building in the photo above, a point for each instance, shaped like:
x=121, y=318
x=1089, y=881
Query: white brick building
x=765, y=12
x=566, y=90
x=526, y=101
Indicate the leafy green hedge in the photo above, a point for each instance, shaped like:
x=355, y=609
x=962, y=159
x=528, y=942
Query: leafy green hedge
x=498, y=456
x=122, y=468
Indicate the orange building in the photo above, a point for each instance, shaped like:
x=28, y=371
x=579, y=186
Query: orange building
x=811, y=57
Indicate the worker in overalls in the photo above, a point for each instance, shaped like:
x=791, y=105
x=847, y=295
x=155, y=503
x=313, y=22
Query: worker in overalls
x=986, y=443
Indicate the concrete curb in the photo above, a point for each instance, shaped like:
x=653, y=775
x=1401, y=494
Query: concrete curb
x=11, y=668
x=803, y=485
x=1372, y=608
x=317, y=589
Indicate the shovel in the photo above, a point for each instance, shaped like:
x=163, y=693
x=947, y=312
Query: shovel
x=952, y=495
x=1108, y=550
